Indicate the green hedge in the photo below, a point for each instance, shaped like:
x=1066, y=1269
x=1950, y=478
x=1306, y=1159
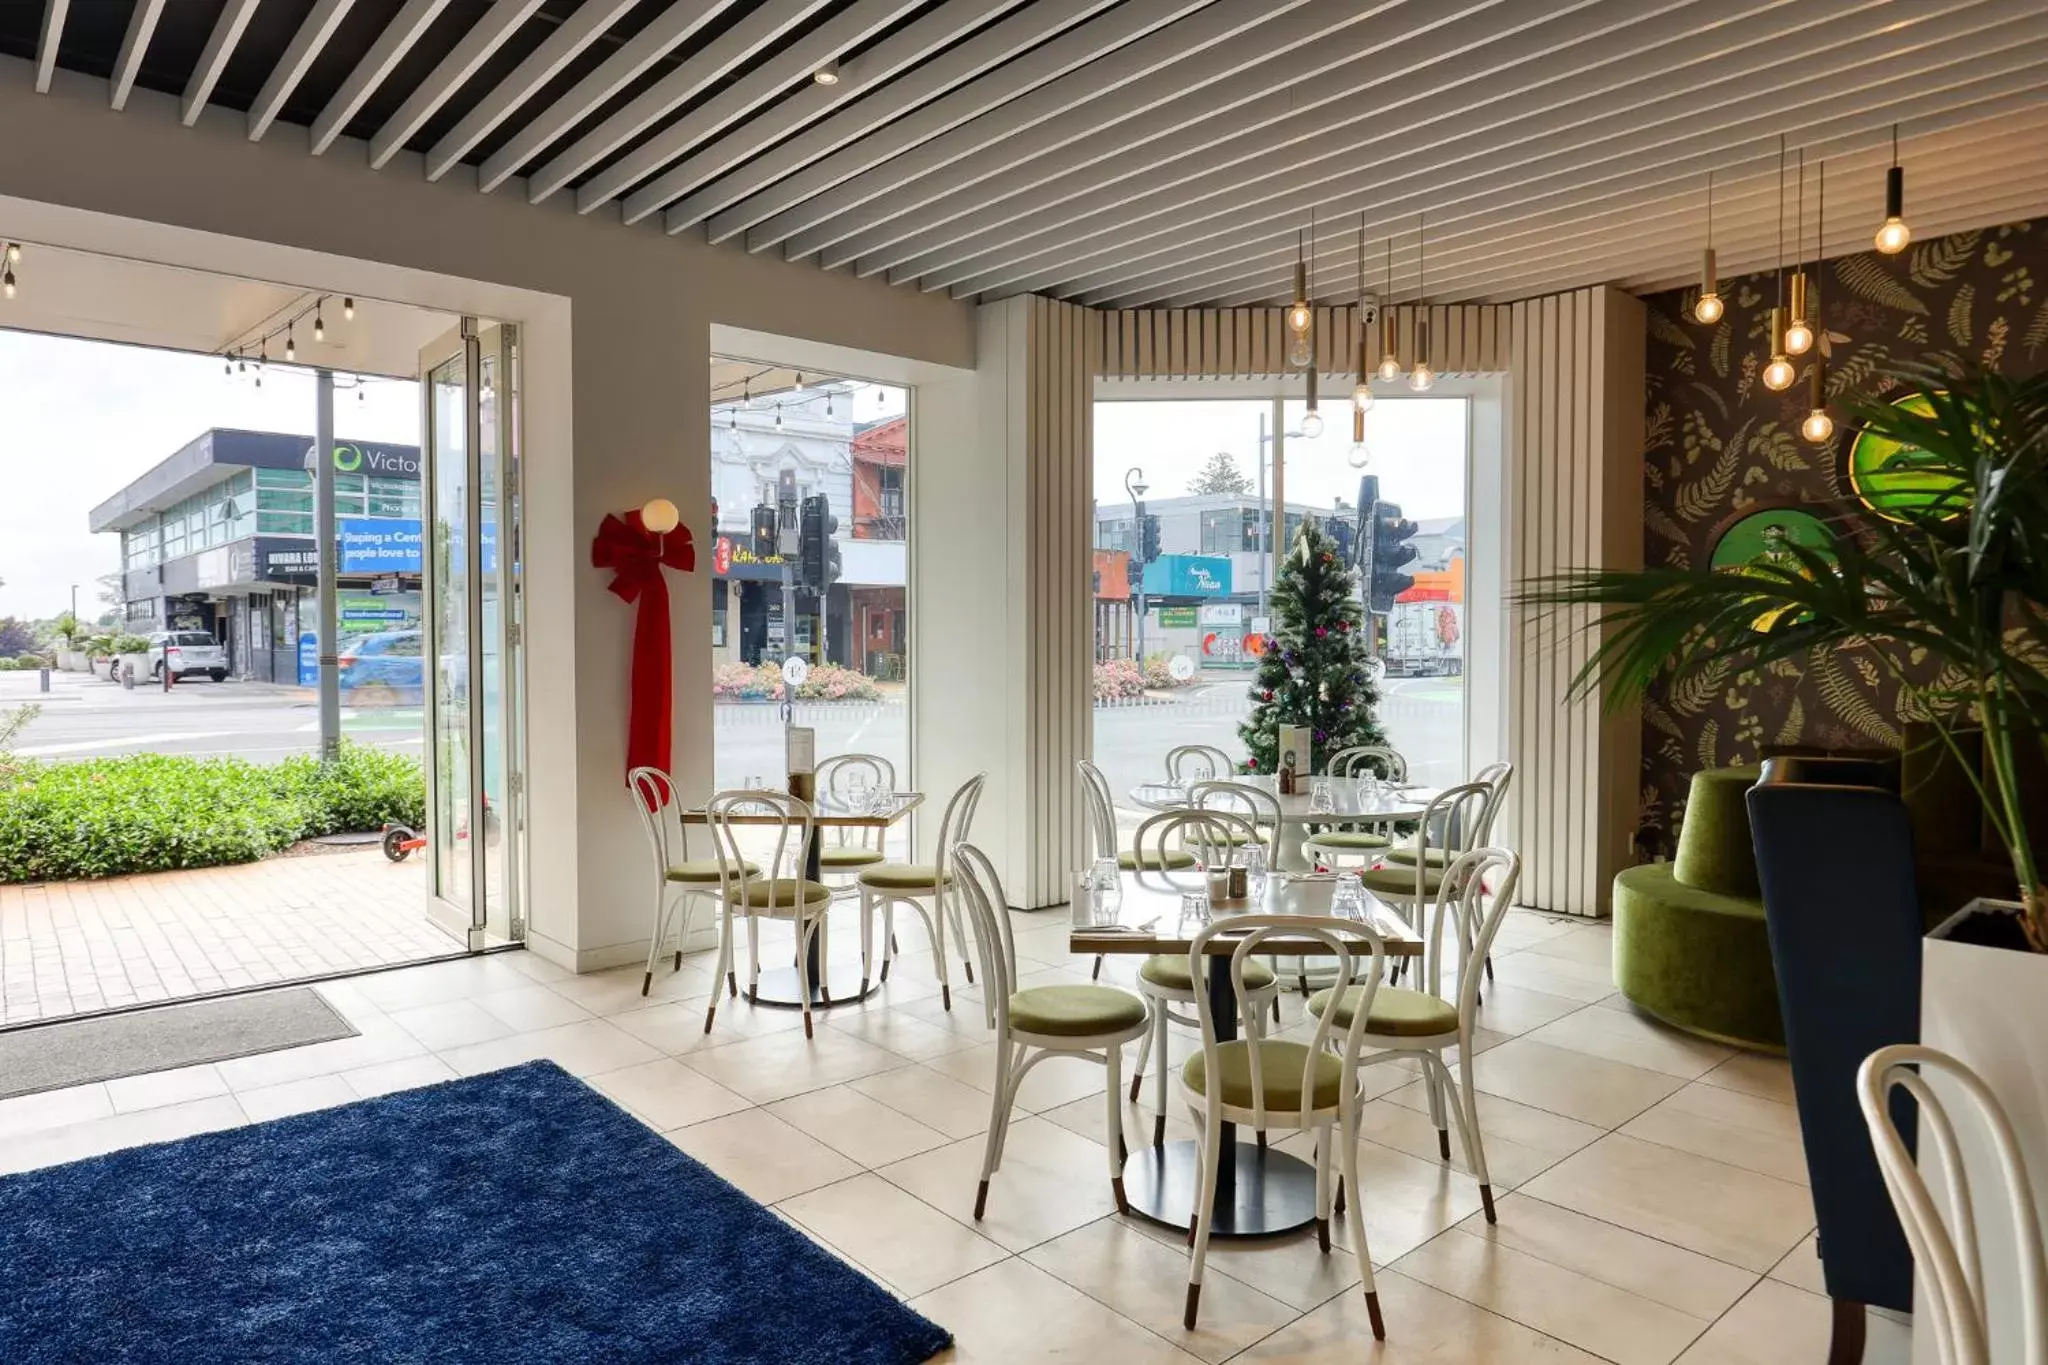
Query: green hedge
x=152, y=812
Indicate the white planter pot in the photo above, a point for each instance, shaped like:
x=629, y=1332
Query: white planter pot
x=1988, y=1007
x=73, y=661
x=139, y=663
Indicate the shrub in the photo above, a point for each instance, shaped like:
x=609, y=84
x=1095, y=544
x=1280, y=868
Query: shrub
x=1118, y=680
x=153, y=812
x=763, y=682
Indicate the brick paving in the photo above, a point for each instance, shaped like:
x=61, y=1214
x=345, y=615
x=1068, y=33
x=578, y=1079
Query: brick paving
x=74, y=947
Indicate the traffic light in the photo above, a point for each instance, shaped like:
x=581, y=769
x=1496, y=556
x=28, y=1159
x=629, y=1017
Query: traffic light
x=764, y=531
x=1342, y=531
x=1390, y=550
x=818, y=553
x=1148, y=538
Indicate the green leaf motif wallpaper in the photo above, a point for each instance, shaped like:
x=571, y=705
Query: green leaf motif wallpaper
x=1719, y=447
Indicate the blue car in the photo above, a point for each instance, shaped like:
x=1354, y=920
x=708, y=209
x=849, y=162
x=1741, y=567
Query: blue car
x=381, y=669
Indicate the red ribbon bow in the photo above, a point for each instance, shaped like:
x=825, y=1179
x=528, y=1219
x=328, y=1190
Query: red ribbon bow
x=636, y=555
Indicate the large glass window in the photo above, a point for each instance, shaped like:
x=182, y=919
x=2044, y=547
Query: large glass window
x=781, y=444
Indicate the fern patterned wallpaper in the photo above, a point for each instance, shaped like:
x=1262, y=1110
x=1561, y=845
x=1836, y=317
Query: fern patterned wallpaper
x=1719, y=446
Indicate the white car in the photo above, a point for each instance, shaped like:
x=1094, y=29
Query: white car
x=189, y=652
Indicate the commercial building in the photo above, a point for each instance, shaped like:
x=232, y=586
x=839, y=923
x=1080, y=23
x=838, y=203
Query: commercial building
x=218, y=536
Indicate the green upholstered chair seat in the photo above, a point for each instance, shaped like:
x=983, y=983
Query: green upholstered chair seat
x=844, y=857
x=1404, y=854
x=702, y=870
x=903, y=877
x=1280, y=1068
x=1396, y=1011
x=1169, y=971
x=1699, y=960
x=1714, y=849
x=1400, y=881
x=1075, y=1011
x=779, y=894
x=1350, y=840
x=1150, y=860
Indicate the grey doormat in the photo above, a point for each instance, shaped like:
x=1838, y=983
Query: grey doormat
x=88, y=1050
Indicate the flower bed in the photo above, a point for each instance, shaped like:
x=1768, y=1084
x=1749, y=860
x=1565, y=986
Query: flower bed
x=763, y=682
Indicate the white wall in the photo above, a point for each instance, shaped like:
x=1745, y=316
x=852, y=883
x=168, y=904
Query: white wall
x=618, y=327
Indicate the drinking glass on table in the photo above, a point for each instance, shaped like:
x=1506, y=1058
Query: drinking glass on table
x=1321, y=799
x=1254, y=859
x=860, y=798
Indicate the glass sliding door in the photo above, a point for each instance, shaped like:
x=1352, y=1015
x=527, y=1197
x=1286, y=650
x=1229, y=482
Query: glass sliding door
x=471, y=661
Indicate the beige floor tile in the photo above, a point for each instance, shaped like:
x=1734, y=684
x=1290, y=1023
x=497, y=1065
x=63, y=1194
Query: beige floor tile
x=1012, y=1313
x=1590, y=945
x=1574, y=1084
x=1291, y=1269
x=1510, y=1009
x=295, y=1097
x=1574, y=1308
x=580, y=1049
x=1776, y=1324
x=47, y=1109
x=175, y=1086
x=617, y=990
x=764, y=1156
x=1408, y=1200
x=1723, y=1211
x=1697, y=1286
x=666, y=1094
x=1051, y=1181
x=1049, y=1084
x=1424, y=1325
x=775, y=1067
x=379, y=1041
x=451, y=1024
x=441, y=981
x=1753, y=1073
x=907, y=1243
x=1622, y=1035
x=1559, y=976
x=1728, y=1125
x=857, y=1126
x=1146, y=1281
x=1801, y=1267
x=1407, y=1130
x=902, y=1033
x=1087, y=1117
x=954, y=1108
x=407, y=1073
x=527, y=1008
x=74, y=1142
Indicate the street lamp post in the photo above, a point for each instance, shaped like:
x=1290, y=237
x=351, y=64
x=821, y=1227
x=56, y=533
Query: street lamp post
x=1135, y=485
x=1274, y=439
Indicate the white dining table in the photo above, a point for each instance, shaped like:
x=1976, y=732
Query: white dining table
x=1297, y=811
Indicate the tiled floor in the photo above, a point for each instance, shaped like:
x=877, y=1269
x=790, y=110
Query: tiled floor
x=74, y=947
x=1653, y=1201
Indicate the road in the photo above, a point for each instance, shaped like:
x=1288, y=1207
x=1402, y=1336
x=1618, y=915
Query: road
x=90, y=717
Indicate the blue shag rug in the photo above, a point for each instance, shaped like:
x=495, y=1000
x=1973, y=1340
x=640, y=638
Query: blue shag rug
x=515, y=1218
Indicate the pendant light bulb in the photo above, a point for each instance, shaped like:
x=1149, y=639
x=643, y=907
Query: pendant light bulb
x=1778, y=374
x=1362, y=396
x=1798, y=332
x=348, y=310
x=14, y=253
x=1422, y=379
x=1708, y=308
x=291, y=348
x=1894, y=236
x=1299, y=354
x=1358, y=457
x=1300, y=317
x=1390, y=367
x=1819, y=424
x=7, y=283
x=1312, y=424
x=319, y=325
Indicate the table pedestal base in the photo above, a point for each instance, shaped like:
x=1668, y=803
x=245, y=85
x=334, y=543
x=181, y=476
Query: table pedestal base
x=779, y=988
x=1263, y=1194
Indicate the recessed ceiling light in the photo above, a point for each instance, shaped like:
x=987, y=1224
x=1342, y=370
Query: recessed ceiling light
x=827, y=74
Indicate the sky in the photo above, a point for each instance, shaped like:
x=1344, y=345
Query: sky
x=1416, y=446
x=80, y=419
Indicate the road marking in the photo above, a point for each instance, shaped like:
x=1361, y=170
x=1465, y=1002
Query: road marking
x=116, y=742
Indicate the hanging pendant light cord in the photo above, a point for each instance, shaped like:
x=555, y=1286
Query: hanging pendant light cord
x=1799, y=212
x=1820, y=246
x=1710, y=210
x=1781, y=220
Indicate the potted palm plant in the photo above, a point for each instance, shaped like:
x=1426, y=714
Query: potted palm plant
x=1948, y=591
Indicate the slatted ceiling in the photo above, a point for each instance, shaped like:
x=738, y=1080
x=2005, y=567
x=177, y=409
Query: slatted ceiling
x=1164, y=153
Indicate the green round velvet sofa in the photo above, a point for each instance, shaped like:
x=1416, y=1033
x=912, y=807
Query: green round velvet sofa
x=1690, y=944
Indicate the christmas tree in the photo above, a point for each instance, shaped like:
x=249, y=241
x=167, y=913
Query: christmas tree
x=1316, y=668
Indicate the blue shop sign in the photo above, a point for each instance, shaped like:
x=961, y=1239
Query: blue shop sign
x=391, y=545
x=1188, y=576
x=309, y=658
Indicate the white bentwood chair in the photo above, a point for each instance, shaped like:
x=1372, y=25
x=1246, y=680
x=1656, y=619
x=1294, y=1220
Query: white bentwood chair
x=1164, y=978
x=1283, y=1084
x=852, y=849
x=1197, y=763
x=777, y=889
x=679, y=880
x=926, y=888
x=1333, y=846
x=1946, y=1251
x=1423, y=1023
x=1085, y=1021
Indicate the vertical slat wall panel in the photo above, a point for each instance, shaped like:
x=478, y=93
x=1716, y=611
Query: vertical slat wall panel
x=1572, y=427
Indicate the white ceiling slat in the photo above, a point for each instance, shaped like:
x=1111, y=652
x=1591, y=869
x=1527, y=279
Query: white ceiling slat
x=1126, y=23
x=474, y=48
x=372, y=71
x=1048, y=225
x=46, y=46
x=1220, y=22
x=979, y=55
x=1499, y=169
x=1341, y=69
x=542, y=65
x=220, y=45
x=786, y=72
x=668, y=30
x=735, y=47
x=1427, y=143
x=1248, y=262
x=899, y=53
x=312, y=36
x=134, y=44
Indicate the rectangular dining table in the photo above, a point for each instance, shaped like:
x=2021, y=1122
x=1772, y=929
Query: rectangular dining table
x=779, y=986
x=1259, y=1191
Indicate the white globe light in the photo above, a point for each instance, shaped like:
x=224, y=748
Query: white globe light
x=1390, y=368
x=1798, y=338
x=659, y=515
x=1818, y=426
x=1894, y=236
x=1298, y=317
x=1312, y=424
x=1299, y=356
x=1708, y=308
x=1779, y=374
x=1362, y=396
x=1422, y=378
x=1359, y=455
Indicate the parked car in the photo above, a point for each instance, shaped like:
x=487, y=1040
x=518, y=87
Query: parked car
x=381, y=669
x=189, y=652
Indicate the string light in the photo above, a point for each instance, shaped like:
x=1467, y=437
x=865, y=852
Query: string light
x=348, y=310
x=14, y=253
x=778, y=415
x=291, y=347
x=319, y=325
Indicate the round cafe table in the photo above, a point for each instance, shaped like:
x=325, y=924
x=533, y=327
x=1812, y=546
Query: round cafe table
x=1295, y=816
x=1259, y=1191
